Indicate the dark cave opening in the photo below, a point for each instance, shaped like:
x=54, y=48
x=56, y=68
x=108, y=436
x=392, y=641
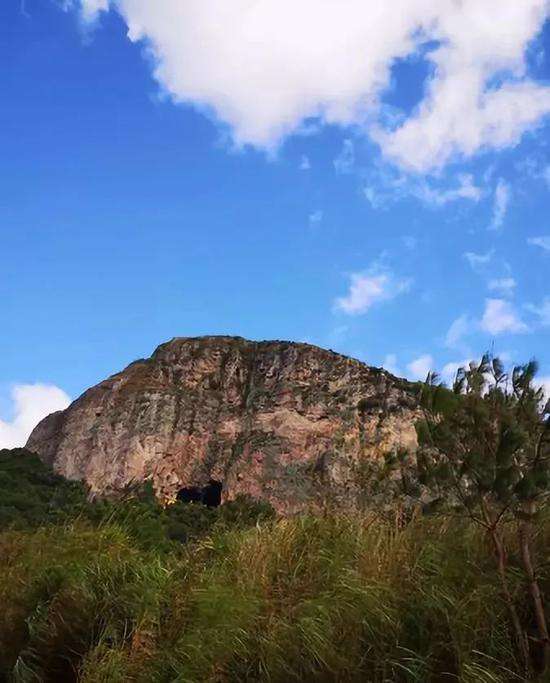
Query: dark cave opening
x=209, y=495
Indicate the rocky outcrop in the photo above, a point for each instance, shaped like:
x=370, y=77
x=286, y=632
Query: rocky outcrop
x=290, y=423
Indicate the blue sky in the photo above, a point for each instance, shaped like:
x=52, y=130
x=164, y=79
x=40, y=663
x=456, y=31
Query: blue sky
x=175, y=172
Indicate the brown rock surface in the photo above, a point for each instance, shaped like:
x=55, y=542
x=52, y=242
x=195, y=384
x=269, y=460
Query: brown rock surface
x=287, y=422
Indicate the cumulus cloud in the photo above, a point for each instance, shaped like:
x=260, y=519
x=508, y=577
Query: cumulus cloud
x=543, y=242
x=419, y=367
x=500, y=204
x=265, y=68
x=368, y=288
x=500, y=317
x=31, y=403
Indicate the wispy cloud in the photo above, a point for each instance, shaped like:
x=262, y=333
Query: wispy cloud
x=459, y=328
x=543, y=242
x=501, y=202
x=464, y=189
x=495, y=271
x=345, y=161
x=503, y=285
x=385, y=185
x=367, y=288
x=479, y=261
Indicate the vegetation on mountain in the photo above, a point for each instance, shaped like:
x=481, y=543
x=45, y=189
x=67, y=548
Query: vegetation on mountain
x=448, y=583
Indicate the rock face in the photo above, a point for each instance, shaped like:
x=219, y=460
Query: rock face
x=286, y=422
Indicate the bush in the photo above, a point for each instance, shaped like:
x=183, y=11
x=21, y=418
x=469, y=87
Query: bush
x=31, y=494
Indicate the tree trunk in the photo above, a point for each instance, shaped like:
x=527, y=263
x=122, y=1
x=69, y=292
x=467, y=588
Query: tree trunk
x=500, y=553
x=525, y=533
x=501, y=566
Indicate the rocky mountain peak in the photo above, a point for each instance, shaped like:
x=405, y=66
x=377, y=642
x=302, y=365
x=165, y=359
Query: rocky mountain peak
x=211, y=417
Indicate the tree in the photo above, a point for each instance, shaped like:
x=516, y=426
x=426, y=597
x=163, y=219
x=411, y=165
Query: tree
x=484, y=449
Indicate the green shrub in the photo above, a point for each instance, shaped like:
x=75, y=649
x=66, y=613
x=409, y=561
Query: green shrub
x=31, y=494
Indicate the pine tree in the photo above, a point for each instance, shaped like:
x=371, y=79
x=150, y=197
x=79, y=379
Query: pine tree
x=484, y=450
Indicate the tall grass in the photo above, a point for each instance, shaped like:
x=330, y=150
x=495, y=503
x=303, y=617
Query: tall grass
x=333, y=598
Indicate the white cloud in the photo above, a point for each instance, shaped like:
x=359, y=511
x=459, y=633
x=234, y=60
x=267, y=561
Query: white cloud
x=466, y=189
x=500, y=316
x=385, y=185
x=500, y=204
x=371, y=287
x=419, y=367
x=496, y=271
x=375, y=198
x=543, y=242
x=315, y=218
x=479, y=261
x=503, y=285
x=345, y=161
x=265, y=68
x=31, y=403
x=457, y=331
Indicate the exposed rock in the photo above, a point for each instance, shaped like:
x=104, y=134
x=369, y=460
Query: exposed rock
x=287, y=422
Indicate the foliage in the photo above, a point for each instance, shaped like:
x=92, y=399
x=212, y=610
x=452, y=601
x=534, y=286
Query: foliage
x=30, y=493
x=487, y=440
x=484, y=449
x=333, y=598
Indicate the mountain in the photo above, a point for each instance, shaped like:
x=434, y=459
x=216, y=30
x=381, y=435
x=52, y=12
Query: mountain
x=208, y=418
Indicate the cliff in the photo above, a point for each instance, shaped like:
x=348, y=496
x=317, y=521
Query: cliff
x=287, y=422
